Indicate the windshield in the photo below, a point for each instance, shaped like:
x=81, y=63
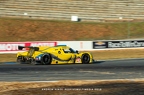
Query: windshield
x=69, y=50
x=72, y=50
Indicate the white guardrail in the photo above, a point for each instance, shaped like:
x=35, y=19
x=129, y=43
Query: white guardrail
x=12, y=47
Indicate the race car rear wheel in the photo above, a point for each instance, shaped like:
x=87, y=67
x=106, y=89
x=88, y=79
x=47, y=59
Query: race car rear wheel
x=46, y=59
x=85, y=58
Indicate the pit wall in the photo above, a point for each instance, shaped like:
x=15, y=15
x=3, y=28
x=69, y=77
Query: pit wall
x=12, y=47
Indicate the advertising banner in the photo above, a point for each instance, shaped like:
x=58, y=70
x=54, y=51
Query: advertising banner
x=13, y=46
x=117, y=44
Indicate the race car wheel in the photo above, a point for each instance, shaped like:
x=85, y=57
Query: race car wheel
x=20, y=59
x=46, y=59
x=85, y=58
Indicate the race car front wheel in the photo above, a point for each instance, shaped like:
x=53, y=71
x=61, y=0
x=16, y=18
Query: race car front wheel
x=85, y=58
x=46, y=59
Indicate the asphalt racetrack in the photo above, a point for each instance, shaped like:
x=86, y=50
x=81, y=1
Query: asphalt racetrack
x=101, y=70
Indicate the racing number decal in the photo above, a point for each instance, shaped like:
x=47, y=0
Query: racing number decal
x=78, y=59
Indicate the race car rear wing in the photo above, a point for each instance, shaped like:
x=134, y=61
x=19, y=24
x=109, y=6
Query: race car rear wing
x=30, y=47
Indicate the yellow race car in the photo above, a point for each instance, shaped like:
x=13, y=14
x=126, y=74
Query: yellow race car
x=59, y=54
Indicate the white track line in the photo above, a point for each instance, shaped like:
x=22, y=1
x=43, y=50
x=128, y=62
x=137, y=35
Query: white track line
x=136, y=79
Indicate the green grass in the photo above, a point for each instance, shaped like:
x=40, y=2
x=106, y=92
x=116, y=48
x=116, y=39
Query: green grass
x=17, y=29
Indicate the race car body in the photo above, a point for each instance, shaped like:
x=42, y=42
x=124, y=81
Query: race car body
x=59, y=54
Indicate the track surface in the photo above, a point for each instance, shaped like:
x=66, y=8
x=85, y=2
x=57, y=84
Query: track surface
x=101, y=70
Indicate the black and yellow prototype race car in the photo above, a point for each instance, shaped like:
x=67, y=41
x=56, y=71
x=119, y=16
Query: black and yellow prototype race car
x=60, y=54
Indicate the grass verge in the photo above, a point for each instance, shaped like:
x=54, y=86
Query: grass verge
x=44, y=30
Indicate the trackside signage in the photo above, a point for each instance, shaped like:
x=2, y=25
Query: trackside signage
x=118, y=44
x=13, y=46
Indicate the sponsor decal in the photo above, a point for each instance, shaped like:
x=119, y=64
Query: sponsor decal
x=118, y=44
x=13, y=46
x=34, y=44
x=99, y=44
x=78, y=59
x=10, y=46
x=125, y=44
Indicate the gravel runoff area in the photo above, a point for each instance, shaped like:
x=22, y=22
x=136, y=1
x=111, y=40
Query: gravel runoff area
x=70, y=87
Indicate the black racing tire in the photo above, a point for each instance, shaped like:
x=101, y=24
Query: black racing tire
x=85, y=58
x=20, y=60
x=46, y=59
